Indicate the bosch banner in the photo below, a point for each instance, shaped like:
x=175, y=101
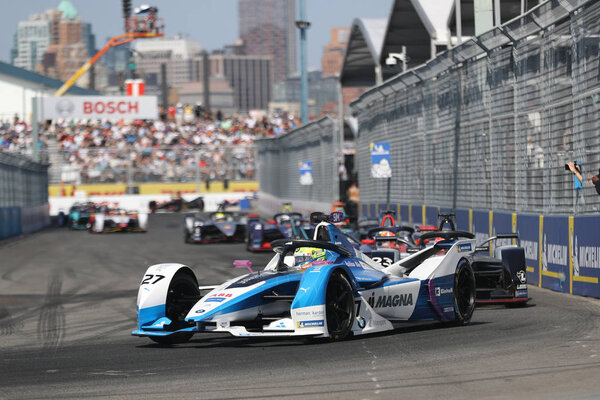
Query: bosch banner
x=98, y=107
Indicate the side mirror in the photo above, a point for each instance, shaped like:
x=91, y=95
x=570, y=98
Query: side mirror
x=243, y=264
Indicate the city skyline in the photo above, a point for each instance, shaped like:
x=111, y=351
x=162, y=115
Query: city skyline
x=323, y=17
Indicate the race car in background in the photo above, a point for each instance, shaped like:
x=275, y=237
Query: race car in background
x=177, y=204
x=220, y=226
x=498, y=264
x=321, y=288
x=260, y=234
x=119, y=220
x=501, y=278
x=388, y=244
x=78, y=216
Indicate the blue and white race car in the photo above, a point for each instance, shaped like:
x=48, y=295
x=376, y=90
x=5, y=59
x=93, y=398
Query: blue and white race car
x=321, y=288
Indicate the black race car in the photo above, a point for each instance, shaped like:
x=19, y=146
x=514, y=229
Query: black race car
x=220, y=226
x=501, y=278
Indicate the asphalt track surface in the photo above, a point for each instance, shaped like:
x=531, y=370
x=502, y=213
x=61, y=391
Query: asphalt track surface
x=67, y=307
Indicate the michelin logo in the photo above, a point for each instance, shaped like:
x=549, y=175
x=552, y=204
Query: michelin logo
x=585, y=257
x=383, y=169
x=310, y=324
x=465, y=247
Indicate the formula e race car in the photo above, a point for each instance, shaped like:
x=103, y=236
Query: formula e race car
x=78, y=216
x=177, y=204
x=388, y=244
x=503, y=277
x=321, y=288
x=119, y=220
x=260, y=234
x=220, y=226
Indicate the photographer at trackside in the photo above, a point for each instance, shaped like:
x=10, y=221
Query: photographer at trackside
x=577, y=170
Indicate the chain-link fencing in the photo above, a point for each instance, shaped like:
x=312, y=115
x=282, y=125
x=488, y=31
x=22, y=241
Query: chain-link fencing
x=279, y=161
x=23, y=195
x=490, y=124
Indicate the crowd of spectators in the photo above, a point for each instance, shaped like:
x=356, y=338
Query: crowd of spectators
x=208, y=147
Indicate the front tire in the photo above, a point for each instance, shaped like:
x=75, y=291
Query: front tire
x=339, y=306
x=464, y=292
x=183, y=293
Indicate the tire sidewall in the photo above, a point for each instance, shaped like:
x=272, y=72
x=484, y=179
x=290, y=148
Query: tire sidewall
x=464, y=267
x=338, y=275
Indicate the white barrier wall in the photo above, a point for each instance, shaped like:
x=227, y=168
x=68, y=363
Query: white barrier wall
x=140, y=202
x=269, y=205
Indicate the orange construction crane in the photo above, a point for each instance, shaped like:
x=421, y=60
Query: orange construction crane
x=136, y=28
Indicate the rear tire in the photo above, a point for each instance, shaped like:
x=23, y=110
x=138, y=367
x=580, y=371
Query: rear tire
x=464, y=292
x=339, y=306
x=183, y=293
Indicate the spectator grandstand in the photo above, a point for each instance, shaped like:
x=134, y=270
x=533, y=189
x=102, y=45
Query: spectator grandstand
x=163, y=150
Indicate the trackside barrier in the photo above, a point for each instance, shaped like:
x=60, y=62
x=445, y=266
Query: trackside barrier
x=279, y=161
x=270, y=205
x=491, y=123
x=23, y=195
x=562, y=252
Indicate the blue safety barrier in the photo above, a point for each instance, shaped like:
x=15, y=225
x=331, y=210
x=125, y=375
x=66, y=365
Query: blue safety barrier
x=562, y=253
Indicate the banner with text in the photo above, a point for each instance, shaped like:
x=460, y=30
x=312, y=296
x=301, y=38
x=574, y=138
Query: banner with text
x=101, y=107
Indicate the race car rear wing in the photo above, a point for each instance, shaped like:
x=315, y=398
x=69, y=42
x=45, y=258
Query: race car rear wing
x=484, y=246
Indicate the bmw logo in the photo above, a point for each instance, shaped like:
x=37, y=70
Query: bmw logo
x=199, y=311
x=361, y=322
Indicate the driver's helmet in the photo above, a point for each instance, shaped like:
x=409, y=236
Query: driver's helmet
x=386, y=239
x=219, y=217
x=305, y=257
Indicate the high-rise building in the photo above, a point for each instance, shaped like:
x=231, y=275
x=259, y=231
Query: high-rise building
x=55, y=43
x=333, y=56
x=177, y=53
x=249, y=76
x=267, y=28
x=33, y=38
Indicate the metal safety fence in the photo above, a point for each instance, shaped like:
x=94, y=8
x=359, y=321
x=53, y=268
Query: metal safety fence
x=491, y=123
x=23, y=195
x=280, y=160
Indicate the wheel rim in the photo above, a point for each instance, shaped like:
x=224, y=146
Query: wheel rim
x=181, y=298
x=465, y=296
x=339, y=306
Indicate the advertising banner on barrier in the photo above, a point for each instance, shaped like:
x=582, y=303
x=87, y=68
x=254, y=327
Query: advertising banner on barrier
x=381, y=160
x=585, y=255
x=404, y=215
x=503, y=222
x=528, y=227
x=481, y=225
x=431, y=216
x=555, y=254
x=306, y=173
x=98, y=107
x=462, y=220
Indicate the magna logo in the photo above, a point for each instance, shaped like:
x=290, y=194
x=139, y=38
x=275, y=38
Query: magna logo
x=398, y=300
x=219, y=297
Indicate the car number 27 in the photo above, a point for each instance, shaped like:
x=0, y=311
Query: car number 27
x=148, y=279
x=384, y=261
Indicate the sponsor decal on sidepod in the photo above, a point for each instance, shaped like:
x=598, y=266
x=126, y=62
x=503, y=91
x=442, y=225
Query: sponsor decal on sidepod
x=310, y=324
x=398, y=300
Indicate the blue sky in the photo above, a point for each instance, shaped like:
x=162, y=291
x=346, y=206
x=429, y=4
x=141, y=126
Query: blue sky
x=212, y=22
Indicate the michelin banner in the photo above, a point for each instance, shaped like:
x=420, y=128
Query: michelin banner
x=585, y=254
